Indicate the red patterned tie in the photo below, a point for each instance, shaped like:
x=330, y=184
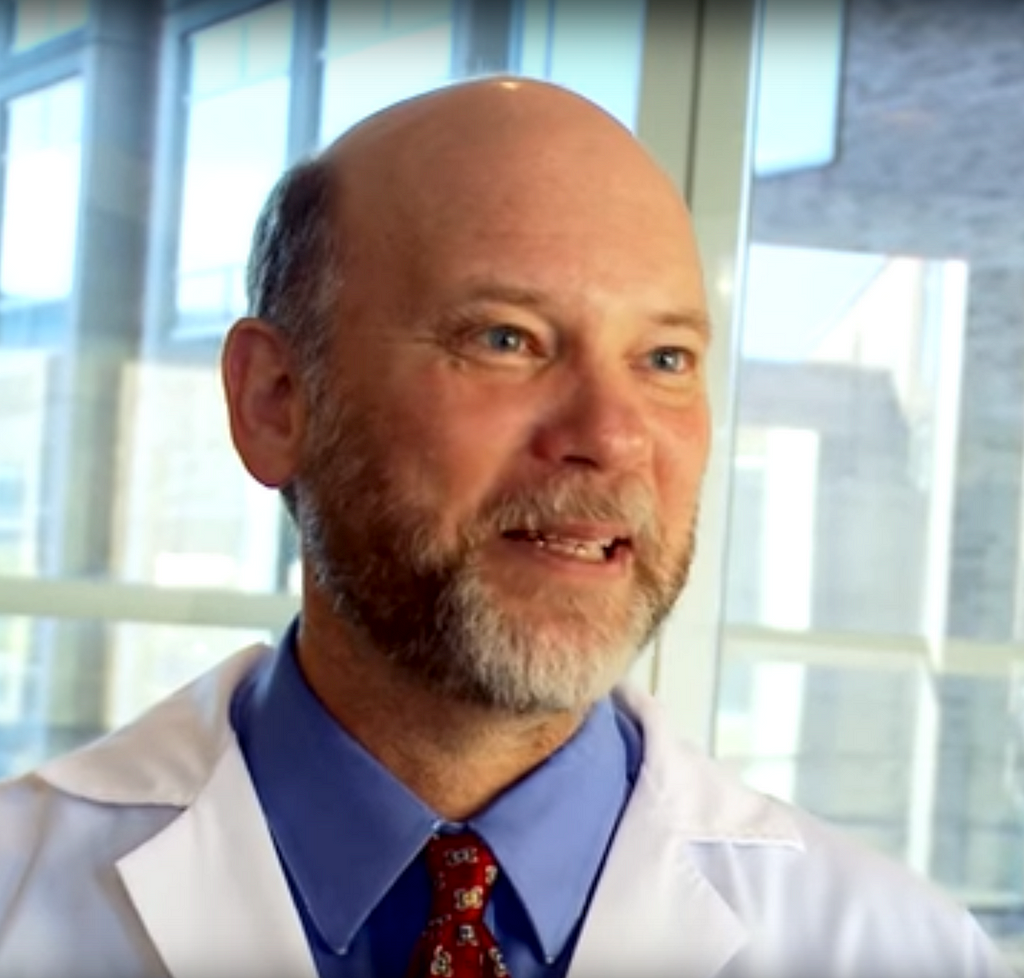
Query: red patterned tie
x=456, y=942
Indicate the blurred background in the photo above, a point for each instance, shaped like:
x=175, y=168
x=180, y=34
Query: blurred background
x=854, y=636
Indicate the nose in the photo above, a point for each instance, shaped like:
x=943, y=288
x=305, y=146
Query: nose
x=597, y=420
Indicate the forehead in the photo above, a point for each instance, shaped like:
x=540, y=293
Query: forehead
x=547, y=265
x=564, y=228
x=555, y=201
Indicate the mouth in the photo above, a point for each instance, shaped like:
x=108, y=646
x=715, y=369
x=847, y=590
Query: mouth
x=578, y=545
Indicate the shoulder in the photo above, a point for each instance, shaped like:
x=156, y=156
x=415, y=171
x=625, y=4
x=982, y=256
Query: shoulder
x=166, y=755
x=42, y=826
x=66, y=827
x=802, y=889
x=106, y=796
x=840, y=900
x=60, y=891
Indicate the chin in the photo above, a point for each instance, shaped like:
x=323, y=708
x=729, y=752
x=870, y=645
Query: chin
x=542, y=668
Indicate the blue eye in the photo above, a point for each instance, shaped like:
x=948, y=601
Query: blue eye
x=504, y=339
x=670, y=359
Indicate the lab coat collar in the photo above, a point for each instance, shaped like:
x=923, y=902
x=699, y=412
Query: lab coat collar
x=208, y=912
x=167, y=755
x=653, y=911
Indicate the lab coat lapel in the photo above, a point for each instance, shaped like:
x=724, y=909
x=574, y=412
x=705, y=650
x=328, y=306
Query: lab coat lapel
x=654, y=914
x=210, y=890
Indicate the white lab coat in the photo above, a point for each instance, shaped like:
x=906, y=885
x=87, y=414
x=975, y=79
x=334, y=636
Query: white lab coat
x=146, y=854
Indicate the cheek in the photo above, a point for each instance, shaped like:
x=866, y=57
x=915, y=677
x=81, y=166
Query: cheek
x=681, y=460
x=455, y=443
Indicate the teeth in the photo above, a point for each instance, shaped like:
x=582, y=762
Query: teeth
x=591, y=550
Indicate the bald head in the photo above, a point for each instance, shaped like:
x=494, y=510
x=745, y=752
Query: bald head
x=476, y=160
x=475, y=116
x=492, y=148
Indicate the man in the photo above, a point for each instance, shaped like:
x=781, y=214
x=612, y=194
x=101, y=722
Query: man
x=475, y=368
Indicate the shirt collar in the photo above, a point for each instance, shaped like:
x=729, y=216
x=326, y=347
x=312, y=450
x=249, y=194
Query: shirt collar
x=551, y=830
x=347, y=828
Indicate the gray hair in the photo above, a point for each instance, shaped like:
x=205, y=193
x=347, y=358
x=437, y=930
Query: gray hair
x=294, y=271
x=294, y=274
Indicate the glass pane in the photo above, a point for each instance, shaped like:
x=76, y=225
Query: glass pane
x=594, y=47
x=24, y=383
x=858, y=778
x=376, y=56
x=378, y=52
x=65, y=682
x=40, y=214
x=115, y=462
x=847, y=428
x=189, y=515
x=239, y=73
x=117, y=468
x=38, y=21
x=185, y=514
x=875, y=558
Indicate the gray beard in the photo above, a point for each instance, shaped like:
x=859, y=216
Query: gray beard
x=423, y=604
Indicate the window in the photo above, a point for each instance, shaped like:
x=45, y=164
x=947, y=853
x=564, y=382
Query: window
x=559, y=40
x=798, y=85
x=40, y=214
x=871, y=653
x=136, y=519
x=239, y=73
x=378, y=52
x=39, y=21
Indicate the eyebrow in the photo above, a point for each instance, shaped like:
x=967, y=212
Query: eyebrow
x=486, y=290
x=695, y=319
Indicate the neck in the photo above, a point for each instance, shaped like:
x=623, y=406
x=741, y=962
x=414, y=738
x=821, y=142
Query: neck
x=455, y=756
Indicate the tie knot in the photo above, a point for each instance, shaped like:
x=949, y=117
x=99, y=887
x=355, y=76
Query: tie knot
x=463, y=870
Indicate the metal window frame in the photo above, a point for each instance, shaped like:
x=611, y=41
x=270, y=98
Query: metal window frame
x=694, y=115
x=161, y=340
x=117, y=601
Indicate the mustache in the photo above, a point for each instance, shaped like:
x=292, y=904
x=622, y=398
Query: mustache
x=577, y=498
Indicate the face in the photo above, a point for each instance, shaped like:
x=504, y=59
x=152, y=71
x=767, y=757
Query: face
x=505, y=447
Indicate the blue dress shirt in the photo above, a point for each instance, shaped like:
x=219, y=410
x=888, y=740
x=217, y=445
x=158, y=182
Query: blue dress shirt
x=349, y=834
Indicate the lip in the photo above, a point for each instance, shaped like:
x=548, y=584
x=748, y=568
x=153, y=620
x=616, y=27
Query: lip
x=534, y=559
x=584, y=532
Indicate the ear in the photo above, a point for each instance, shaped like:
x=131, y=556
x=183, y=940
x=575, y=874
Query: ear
x=264, y=398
